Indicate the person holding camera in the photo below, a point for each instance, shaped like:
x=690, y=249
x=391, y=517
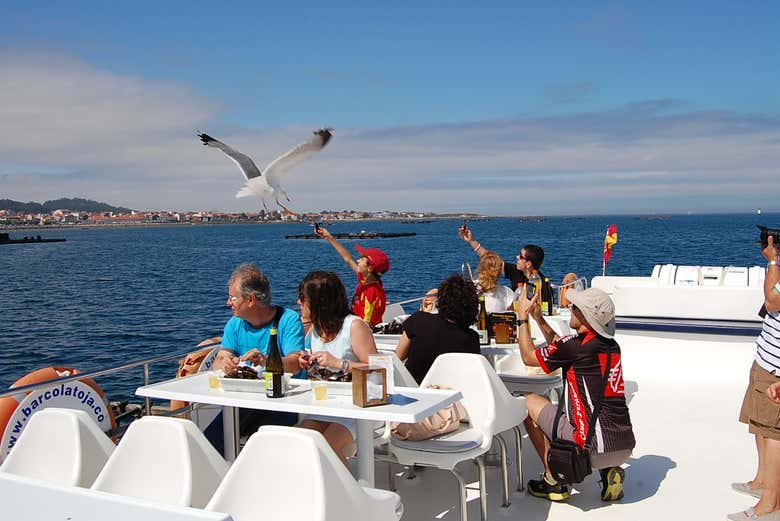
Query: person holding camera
x=590, y=358
x=370, y=300
x=759, y=407
x=528, y=261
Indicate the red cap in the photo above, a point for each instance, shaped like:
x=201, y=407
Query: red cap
x=376, y=257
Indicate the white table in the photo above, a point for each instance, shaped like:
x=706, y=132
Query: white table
x=195, y=389
x=383, y=343
x=28, y=499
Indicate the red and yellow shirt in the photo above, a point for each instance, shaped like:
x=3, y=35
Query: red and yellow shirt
x=369, y=301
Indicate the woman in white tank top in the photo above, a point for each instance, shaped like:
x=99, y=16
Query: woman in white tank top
x=339, y=342
x=497, y=297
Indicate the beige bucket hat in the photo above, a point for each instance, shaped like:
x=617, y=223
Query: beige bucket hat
x=597, y=308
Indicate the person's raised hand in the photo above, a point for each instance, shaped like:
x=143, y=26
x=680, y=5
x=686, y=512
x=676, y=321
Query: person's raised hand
x=323, y=232
x=465, y=233
x=525, y=306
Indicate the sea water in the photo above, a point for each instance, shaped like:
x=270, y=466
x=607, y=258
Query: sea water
x=113, y=295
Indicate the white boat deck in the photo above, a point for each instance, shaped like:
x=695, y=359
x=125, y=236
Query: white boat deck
x=684, y=397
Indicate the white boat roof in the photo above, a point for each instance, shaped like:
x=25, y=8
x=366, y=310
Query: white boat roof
x=685, y=397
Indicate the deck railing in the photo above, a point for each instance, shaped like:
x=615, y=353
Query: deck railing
x=145, y=363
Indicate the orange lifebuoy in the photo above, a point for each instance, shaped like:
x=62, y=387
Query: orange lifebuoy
x=193, y=363
x=429, y=302
x=9, y=404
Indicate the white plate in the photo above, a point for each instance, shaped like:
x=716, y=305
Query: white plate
x=254, y=386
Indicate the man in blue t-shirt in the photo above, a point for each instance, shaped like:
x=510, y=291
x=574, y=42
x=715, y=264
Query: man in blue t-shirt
x=246, y=334
x=246, y=337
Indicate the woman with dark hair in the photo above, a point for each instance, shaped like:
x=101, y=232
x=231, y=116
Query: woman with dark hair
x=426, y=335
x=340, y=341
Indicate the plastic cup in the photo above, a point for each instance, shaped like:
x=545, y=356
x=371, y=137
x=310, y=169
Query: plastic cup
x=214, y=381
x=320, y=390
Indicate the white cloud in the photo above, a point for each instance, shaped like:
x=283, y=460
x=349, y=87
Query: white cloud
x=70, y=129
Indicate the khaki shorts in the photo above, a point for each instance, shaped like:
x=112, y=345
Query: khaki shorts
x=761, y=415
x=598, y=460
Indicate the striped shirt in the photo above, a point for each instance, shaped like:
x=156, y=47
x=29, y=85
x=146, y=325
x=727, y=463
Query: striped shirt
x=768, y=343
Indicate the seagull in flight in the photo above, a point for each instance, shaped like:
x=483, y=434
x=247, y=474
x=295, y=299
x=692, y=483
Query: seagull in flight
x=267, y=183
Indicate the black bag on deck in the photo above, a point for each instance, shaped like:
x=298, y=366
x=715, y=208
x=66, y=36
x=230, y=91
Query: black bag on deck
x=568, y=462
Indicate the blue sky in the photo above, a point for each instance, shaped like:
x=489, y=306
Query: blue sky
x=508, y=108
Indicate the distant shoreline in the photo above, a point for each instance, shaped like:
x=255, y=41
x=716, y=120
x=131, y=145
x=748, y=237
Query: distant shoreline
x=215, y=223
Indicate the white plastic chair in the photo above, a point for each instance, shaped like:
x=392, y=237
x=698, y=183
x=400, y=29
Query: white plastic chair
x=485, y=398
x=401, y=375
x=402, y=378
x=60, y=446
x=392, y=311
x=167, y=460
x=292, y=474
x=513, y=372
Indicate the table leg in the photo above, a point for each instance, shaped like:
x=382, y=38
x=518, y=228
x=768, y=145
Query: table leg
x=365, y=451
x=230, y=433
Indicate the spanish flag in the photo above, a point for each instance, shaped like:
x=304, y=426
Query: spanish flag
x=610, y=239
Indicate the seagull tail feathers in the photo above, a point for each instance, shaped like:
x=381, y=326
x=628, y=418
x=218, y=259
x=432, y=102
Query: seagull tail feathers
x=245, y=192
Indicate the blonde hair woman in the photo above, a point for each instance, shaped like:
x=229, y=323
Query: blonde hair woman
x=497, y=298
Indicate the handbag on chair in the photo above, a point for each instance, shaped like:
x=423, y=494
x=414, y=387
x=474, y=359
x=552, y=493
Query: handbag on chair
x=569, y=463
x=441, y=422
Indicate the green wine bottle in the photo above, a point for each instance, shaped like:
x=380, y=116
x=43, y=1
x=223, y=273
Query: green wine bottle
x=274, y=368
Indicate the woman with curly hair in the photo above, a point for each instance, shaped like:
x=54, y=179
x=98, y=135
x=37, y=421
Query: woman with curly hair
x=497, y=298
x=340, y=341
x=426, y=335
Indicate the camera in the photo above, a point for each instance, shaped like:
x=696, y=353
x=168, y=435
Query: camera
x=766, y=232
x=530, y=290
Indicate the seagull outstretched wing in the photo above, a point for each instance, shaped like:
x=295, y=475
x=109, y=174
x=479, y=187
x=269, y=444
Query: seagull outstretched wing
x=243, y=161
x=282, y=164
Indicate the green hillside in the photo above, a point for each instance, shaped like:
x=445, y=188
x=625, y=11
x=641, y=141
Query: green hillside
x=76, y=204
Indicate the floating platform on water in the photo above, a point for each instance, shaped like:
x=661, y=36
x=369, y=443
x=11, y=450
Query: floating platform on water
x=353, y=235
x=415, y=221
x=6, y=239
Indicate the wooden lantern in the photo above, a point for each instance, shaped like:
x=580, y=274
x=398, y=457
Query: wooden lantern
x=369, y=386
x=503, y=325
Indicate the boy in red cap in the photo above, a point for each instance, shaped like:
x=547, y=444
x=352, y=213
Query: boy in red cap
x=370, y=298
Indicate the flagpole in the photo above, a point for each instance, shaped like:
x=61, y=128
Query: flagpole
x=604, y=256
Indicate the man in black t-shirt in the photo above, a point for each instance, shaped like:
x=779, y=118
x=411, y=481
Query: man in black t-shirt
x=528, y=261
x=583, y=359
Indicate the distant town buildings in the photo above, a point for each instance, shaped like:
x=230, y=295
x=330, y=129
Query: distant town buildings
x=64, y=217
